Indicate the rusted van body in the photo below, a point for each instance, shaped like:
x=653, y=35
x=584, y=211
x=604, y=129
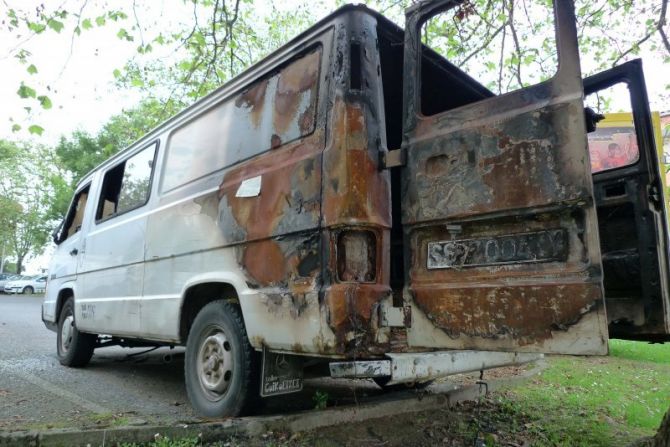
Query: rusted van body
x=474, y=239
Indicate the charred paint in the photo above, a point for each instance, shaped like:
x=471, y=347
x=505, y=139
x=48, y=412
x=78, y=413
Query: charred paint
x=518, y=163
x=528, y=314
x=253, y=99
x=297, y=84
x=355, y=189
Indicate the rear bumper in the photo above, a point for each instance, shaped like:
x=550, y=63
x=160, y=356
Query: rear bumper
x=424, y=366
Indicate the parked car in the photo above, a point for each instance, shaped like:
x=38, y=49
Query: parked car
x=29, y=285
x=7, y=277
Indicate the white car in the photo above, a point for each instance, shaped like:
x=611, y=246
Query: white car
x=28, y=285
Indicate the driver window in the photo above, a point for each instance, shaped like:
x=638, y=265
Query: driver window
x=75, y=215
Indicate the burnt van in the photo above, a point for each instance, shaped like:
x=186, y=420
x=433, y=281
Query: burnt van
x=357, y=201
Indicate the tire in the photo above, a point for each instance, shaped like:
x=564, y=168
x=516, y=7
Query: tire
x=221, y=368
x=73, y=348
x=28, y=290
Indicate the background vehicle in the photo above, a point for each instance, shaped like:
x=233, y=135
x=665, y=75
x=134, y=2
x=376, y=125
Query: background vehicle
x=27, y=285
x=6, y=277
x=269, y=227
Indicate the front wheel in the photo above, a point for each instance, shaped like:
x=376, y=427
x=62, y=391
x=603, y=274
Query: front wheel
x=74, y=348
x=221, y=367
x=28, y=290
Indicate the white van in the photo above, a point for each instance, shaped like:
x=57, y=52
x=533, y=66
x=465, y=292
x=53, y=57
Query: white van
x=268, y=227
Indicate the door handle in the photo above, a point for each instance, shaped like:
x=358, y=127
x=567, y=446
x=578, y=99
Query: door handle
x=74, y=252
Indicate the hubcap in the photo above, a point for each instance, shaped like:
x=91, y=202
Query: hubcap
x=66, y=333
x=215, y=363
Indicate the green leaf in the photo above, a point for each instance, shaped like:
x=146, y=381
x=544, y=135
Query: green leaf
x=35, y=129
x=45, y=102
x=100, y=20
x=26, y=92
x=36, y=27
x=116, y=73
x=32, y=69
x=123, y=34
x=136, y=82
x=86, y=24
x=16, y=128
x=55, y=25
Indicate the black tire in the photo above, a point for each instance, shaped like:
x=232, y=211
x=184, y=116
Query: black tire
x=77, y=348
x=221, y=368
x=28, y=290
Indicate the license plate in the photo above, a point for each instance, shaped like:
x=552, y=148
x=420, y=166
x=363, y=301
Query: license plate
x=281, y=374
x=537, y=246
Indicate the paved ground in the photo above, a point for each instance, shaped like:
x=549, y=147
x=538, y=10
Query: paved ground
x=116, y=388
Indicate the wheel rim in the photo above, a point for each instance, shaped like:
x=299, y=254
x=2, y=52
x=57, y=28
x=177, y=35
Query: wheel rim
x=215, y=364
x=66, y=332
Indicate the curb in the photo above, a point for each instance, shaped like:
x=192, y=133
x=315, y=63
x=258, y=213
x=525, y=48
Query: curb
x=401, y=403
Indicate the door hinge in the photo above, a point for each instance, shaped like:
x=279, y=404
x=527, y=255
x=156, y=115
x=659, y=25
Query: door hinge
x=392, y=159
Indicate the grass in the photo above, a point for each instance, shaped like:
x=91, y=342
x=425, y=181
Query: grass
x=576, y=401
x=597, y=401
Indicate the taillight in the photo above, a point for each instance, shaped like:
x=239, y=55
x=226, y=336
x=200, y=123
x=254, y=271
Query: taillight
x=357, y=256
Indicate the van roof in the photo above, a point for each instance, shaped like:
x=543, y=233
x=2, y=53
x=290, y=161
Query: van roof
x=249, y=75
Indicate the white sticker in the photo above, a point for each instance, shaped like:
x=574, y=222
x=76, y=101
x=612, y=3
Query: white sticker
x=250, y=187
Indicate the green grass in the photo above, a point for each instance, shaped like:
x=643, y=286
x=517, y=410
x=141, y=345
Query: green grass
x=645, y=352
x=599, y=401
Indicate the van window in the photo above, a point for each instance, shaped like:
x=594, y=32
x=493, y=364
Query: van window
x=271, y=112
x=74, y=217
x=613, y=144
x=504, y=47
x=127, y=185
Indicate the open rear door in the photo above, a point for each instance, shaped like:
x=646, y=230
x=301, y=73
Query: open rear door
x=632, y=214
x=500, y=228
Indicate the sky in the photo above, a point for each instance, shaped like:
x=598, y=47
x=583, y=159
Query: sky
x=77, y=74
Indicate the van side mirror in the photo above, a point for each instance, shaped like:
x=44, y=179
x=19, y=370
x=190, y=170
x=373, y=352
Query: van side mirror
x=55, y=234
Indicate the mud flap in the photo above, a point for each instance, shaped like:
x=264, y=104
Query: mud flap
x=281, y=374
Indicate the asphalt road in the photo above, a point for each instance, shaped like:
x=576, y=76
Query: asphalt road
x=119, y=387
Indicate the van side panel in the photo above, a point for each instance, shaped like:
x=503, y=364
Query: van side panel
x=357, y=195
x=254, y=225
x=111, y=276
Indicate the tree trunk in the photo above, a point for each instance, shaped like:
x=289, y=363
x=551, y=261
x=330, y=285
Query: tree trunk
x=19, y=264
x=662, y=438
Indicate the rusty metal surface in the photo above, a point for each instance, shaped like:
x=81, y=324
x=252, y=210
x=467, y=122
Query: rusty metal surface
x=271, y=112
x=498, y=167
x=504, y=174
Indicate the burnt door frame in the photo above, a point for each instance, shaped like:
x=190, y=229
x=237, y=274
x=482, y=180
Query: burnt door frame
x=654, y=273
x=533, y=303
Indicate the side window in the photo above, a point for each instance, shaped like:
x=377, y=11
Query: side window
x=270, y=113
x=614, y=142
x=476, y=50
x=127, y=185
x=74, y=217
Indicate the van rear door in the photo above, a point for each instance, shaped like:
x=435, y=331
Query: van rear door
x=500, y=229
x=632, y=214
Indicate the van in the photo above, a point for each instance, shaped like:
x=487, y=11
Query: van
x=357, y=201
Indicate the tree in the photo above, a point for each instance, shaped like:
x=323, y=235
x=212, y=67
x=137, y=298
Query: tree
x=25, y=197
x=79, y=153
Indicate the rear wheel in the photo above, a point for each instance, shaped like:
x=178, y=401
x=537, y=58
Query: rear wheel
x=221, y=367
x=28, y=290
x=74, y=348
